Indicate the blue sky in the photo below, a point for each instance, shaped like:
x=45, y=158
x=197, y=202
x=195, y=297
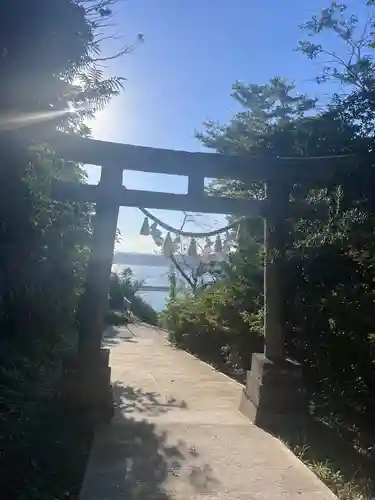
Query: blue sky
x=194, y=51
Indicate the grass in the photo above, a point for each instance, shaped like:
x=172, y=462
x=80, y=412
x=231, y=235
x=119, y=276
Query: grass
x=358, y=487
x=347, y=468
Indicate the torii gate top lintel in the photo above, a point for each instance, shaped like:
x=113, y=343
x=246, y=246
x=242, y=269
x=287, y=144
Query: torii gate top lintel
x=116, y=157
x=186, y=163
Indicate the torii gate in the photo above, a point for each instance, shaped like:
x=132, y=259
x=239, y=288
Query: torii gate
x=274, y=384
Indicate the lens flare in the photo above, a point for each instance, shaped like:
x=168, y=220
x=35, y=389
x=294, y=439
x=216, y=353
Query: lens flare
x=18, y=120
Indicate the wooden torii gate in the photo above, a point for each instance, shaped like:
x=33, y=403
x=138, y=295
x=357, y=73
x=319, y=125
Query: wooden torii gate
x=274, y=385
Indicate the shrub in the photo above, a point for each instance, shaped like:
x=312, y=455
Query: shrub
x=143, y=310
x=213, y=326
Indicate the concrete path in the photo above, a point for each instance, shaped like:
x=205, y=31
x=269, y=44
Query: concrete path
x=178, y=434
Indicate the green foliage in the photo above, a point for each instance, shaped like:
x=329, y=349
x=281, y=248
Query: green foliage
x=122, y=297
x=268, y=110
x=122, y=288
x=42, y=280
x=117, y=318
x=222, y=323
x=355, y=34
x=143, y=311
x=55, y=65
x=49, y=61
x=329, y=272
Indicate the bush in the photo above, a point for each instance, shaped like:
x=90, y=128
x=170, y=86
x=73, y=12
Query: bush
x=47, y=64
x=117, y=318
x=122, y=297
x=213, y=326
x=143, y=310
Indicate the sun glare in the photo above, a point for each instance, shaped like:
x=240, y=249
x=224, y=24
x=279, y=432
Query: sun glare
x=18, y=120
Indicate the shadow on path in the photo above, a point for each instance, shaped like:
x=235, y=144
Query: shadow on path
x=116, y=335
x=134, y=459
x=137, y=456
x=130, y=400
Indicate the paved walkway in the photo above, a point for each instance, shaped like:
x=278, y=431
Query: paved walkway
x=178, y=434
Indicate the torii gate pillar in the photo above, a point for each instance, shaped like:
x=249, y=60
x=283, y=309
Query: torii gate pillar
x=89, y=379
x=274, y=388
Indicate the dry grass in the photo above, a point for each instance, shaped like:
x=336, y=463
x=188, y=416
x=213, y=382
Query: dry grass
x=358, y=487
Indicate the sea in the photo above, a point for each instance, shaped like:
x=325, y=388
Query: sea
x=153, y=276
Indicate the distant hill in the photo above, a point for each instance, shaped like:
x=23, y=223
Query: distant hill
x=147, y=259
x=140, y=259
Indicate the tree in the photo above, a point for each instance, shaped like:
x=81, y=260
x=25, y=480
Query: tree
x=223, y=322
x=49, y=61
x=226, y=322
x=58, y=67
x=355, y=69
x=122, y=289
x=194, y=260
x=268, y=110
x=352, y=68
x=318, y=303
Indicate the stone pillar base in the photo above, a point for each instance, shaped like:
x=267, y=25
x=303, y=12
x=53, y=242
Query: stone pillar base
x=274, y=392
x=86, y=388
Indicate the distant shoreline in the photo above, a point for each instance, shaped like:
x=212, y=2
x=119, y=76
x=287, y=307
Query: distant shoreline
x=149, y=275
x=140, y=259
x=146, y=259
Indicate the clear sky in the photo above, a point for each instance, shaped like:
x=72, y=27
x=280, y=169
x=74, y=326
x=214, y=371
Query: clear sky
x=194, y=50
